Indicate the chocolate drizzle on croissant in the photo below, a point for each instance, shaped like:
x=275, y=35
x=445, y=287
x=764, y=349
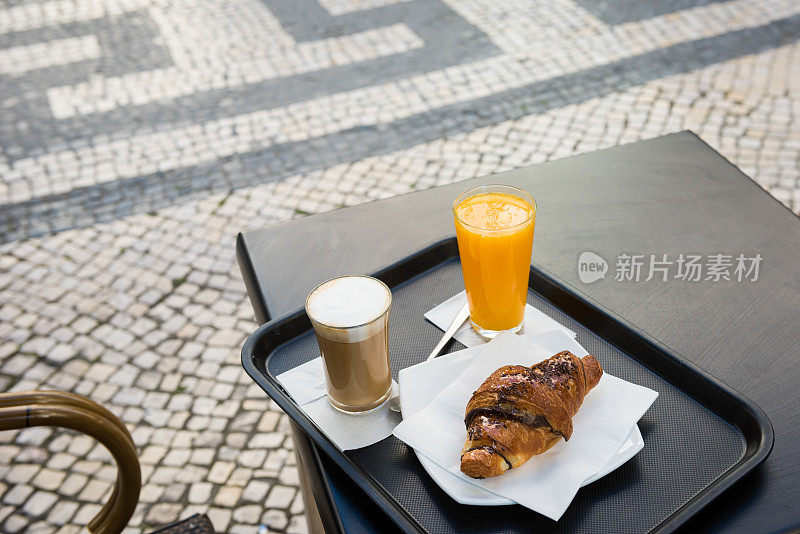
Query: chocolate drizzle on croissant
x=521, y=411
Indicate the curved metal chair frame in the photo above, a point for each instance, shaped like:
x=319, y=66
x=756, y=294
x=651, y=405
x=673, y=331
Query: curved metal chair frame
x=67, y=410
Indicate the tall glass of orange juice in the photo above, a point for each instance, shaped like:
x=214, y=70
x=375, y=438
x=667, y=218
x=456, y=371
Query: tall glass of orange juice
x=494, y=227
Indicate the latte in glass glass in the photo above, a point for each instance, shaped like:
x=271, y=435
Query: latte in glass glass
x=350, y=315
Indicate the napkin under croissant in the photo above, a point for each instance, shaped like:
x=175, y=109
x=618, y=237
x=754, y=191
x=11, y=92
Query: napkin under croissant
x=522, y=411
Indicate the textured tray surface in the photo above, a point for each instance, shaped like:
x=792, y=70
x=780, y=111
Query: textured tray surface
x=686, y=446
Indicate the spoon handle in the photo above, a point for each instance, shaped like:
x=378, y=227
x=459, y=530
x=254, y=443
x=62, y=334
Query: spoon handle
x=461, y=316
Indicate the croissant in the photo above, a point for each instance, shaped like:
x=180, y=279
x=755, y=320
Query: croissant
x=521, y=411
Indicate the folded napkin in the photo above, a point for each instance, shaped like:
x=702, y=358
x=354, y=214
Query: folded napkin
x=548, y=482
x=306, y=384
x=443, y=315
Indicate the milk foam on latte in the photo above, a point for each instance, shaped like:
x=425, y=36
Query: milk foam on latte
x=347, y=302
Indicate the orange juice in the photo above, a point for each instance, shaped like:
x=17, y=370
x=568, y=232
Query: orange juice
x=494, y=227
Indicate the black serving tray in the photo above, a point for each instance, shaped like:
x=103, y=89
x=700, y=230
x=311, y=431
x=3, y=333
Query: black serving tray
x=700, y=435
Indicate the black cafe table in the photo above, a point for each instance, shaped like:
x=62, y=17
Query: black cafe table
x=672, y=195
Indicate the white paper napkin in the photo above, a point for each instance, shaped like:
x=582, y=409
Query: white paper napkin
x=443, y=315
x=306, y=384
x=548, y=482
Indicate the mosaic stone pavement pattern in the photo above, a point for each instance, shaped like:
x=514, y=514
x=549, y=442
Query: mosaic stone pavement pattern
x=137, y=137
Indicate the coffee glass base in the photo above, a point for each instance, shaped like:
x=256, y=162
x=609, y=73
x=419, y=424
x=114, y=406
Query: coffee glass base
x=361, y=410
x=491, y=334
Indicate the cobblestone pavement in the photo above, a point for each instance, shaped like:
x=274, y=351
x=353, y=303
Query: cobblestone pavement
x=138, y=136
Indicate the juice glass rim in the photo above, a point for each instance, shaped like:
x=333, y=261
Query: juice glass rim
x=377, y=318
x=472, y=191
